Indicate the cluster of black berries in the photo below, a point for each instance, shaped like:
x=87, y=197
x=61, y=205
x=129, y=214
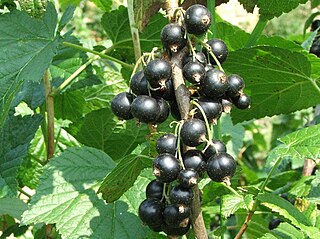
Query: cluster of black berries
x=315, y=47
x=188, y=155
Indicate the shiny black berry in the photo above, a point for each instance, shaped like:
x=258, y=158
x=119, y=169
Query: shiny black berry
x=175, y=217
x=164, y=110
x=188, y=177
x=213, y=148
x=154, y=189
x=157, y=72
x=221, y=167
x=242, y=102
x=236, y=85
x=226, y=105
x=167, y=143
x=218, y=48
x=215, y=84
x=181, y=195
x=315, y=25
x=175, y=231
x=212, y=109
x=139, y=84
x=315, y=47
x=194, y=159
x=166, y=168
x=193, y=132
x=166, y=92
x=150, y=212
x=274, y=223
x=121, y=105
x=208, y=67
x=193, y=72
x=197, y=19
x=173, y=37
x=198, y=57
x=145, y=109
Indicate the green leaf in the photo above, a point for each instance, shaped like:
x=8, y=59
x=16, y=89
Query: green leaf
x=67, y=197
x=248, y=4
x=104, y=5
x=297, y=146
x=232, y=203
x=310, y=20
x=284, y=231
x=123, y=176
x=13, y=207
x=69, y=105
x=274, y=8
x=315, y=3
x=314, y=194
x=16, y=135
x=66, y=17
x=302, y=187
x=275, y=79
x=101, y=130
x=116, y=25
x=288, y=211
x=28, y=46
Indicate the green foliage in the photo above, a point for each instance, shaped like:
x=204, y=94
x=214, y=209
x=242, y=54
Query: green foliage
x=13, y=207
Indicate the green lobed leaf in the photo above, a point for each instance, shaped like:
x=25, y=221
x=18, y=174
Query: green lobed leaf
x=13, y=207
x=284, y=231
x=232, y=203
x=101, y=130
x=278, y=81
x=274, y=8
x=67, y=197
x=315, y=3
x=297, y=146
x=248, y=4
x=288, y=211
x=314, y=194
x=25, y=56
x=16, y=135
x=104, y=5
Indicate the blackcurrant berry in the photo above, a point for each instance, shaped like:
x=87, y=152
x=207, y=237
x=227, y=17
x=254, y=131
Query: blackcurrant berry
x=175, y=231
x=157, y=72
x=274, y=223
x=218, y=48
x=121, y=105
x=215, y=147
x=174, y=217
x=315, y=48
x=173, y=37
x=315, y=25
x=145, y=109
x=194, y=159
x=236, y=85
x=166, y=92
x=164, y=110
x=221, y=167
x=167, y=143
x=150, y=212
x=157, y=228
x=197, y=19
x=198, y=57
x=193, y=132
x=212, y=109
x=175, y=110
x=181, y=195
x=188, y=177
x=166, y=168
x=193, y=72
x=242, y=102
x=154, y=189
x=226, y=105
x=139, y=84
x=208, y=67
x=215, y=84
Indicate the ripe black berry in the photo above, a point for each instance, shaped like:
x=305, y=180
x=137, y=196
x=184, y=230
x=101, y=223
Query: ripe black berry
x=188, y=177
x=215, y=147
x=150, y=212
x=181, y=195
x=315, y=47
x=164, y=110
x=157, y=72
x=221, y=167
x=212, y=109
x=175, y=110
x=215, y=84
x=315, y=25
x=198, y=57
x=197, y=19
x=194, y=72
x=121, y=105
x=236, y=85
x=139, y=84
x=167, y=143
x=154, y=189
x=173, y=37
x=218, y=48
x=166, y=92
x=145, y=109
x=242, y=102
x=175, y=231
x=176, y=217
x=208, y=67
x=193, y=132
x=194, y=159
x=274, y=223
x=166, y=167
x=226, y=105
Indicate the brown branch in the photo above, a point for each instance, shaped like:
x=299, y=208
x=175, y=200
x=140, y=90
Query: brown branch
x=244, y=225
